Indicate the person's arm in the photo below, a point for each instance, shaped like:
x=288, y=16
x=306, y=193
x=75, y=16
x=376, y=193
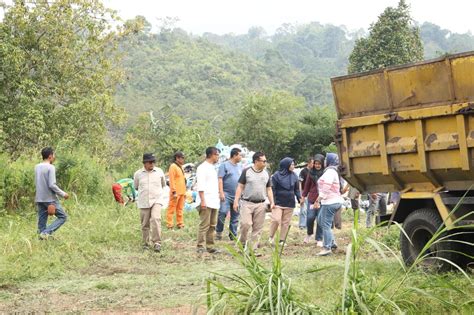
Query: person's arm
x=270, y=194
x=52, y=184
x=240, y=189
x=238, y=194
x=306, y=188
x=297, y=192
x=172, y=180
x=135, y=181
x=221, y=189
x=200, y=183
x=270, y=197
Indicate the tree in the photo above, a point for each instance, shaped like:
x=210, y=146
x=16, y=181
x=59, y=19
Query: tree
x=315, y=134
x=57, y=74
x=392, y=40
x=268, y=123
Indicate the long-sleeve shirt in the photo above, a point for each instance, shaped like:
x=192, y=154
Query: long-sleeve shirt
x=150, y=186
x=45, y=180
x=310, y=189
x=128, y=187
x=177, y=180
x=329, y=188
x=286, y=197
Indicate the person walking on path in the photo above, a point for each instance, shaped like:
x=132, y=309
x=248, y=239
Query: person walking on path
x=229, y=174
x=46, y=197
x=124, y=185
x=303, y=176
x=285, y=186
x=310, y=195
x=254, y=188
x=208, y=188
x=177, y=182
x=329, y=201
x=150, y=181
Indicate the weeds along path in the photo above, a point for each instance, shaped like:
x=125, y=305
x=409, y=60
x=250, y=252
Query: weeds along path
x=97, y=264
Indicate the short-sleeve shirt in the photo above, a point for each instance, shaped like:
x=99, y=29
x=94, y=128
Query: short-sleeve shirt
x=207, y=182
x=303, y=175
x=256, y=183
x=230, y=174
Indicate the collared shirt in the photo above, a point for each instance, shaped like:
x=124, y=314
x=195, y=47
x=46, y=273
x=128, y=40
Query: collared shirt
x=207, y=182
x=150, y=186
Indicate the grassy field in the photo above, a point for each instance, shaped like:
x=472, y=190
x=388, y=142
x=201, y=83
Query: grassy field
x=97, y=264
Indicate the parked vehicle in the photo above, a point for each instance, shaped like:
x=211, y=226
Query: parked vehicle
x=410, y=129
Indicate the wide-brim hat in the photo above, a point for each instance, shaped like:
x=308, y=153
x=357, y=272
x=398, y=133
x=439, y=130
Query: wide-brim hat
x=149, y=157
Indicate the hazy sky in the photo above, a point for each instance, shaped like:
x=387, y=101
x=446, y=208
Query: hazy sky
x=236, y=16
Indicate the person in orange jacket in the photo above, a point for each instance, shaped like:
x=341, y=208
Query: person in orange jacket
x=177, y=191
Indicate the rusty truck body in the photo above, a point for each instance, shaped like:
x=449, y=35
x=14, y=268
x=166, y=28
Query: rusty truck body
x=410, y=129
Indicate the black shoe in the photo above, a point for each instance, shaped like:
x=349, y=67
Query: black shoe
x=200, y=250
x=218, y=236
x=145, y=247
x=157, y=248
x=213, y=250
x=333, y=246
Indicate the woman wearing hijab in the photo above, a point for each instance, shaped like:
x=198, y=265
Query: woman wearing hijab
x=310, y=191
x=285, y=189
x=328, y=201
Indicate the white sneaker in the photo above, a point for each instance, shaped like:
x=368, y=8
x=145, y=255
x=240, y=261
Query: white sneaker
x=270, y=240
x=306, y=239
x=319, y=244
x=324, y=252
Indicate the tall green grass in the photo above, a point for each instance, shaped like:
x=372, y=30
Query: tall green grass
x=262, y=291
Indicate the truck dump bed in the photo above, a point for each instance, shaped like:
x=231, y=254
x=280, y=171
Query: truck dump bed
x=408, y=127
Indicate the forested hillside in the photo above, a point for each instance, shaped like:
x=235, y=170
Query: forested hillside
x=209, y=76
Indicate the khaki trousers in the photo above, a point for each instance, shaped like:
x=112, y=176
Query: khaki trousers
x=207, y=227
x=252, y=216
x=151, y=217
x=281, y=216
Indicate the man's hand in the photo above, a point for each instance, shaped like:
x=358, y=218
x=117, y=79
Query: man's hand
x=272, y=205
x=317, y=205
x=302, y=201
x=66, y=196
x=236, y=206
x=222, y=196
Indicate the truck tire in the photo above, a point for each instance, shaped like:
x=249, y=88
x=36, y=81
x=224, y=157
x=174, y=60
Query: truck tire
x=420, y=226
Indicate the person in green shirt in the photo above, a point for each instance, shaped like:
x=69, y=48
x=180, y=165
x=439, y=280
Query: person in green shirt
x=125, y=186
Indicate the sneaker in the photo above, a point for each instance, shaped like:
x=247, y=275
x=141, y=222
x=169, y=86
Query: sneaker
x=180, y=227
x=324, y=252
x=334, y=246
x=270, y=241
x=218, y=236
x=319, y=244
x=200, y=250
x=145, y=246
x=307, y=239
x=213, y=250
x=257, y=253
x=44, y=237
x=157, y=248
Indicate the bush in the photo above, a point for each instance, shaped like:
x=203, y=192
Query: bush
x=76, y=172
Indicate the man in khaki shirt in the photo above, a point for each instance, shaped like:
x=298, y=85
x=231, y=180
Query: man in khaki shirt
x=149, y=181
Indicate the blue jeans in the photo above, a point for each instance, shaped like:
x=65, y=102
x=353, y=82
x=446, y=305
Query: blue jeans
x=303, y=211
x=61, y=217
x=225, y=207
x=325, y=219
x=312, y=215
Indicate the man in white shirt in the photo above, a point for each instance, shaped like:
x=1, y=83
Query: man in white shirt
x=208, y=188
x=149, y=181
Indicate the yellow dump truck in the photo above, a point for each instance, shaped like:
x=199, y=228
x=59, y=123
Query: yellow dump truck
x=410, y=129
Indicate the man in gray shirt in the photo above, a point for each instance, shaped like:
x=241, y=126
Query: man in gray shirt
x=46, y=195
x=253, y=189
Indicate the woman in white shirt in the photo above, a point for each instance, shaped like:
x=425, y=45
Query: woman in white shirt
x=329, y=201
